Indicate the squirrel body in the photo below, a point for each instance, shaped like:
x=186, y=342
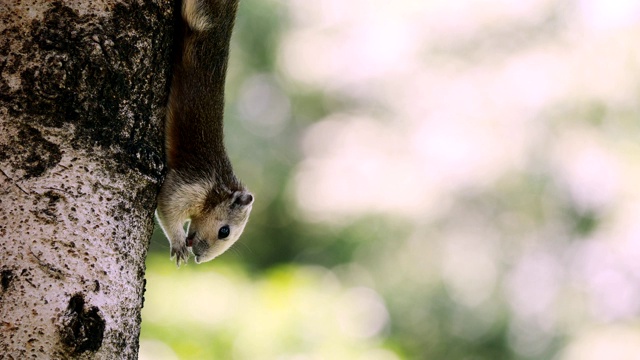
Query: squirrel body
x=200, y=185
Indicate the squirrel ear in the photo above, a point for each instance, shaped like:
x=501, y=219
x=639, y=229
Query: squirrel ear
x=242, y=198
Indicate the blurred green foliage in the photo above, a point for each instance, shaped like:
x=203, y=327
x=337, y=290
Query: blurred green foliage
x=220, y=311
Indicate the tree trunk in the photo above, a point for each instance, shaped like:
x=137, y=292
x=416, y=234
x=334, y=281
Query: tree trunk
x=83, y=87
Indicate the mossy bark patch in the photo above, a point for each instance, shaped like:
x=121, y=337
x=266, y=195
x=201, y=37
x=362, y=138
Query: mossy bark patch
x=89, y=71
x=33, y=153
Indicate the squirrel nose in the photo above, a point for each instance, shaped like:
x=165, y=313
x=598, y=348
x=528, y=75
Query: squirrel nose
x=199, y=248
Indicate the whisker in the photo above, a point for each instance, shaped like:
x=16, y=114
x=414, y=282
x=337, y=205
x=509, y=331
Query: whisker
x=244, y=247
x=249, y=249
x=235, y=251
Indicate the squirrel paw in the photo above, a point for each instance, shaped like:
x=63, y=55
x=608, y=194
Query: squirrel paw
x=180, y=253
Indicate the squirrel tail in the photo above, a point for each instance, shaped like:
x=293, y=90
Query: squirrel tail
x=209, y=15
x=205, y=35
x=195, y=109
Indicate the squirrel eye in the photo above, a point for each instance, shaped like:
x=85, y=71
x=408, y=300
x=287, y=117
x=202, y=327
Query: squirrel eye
x=223, y=232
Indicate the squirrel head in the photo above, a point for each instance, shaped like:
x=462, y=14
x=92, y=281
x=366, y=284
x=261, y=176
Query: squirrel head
x=219, y=226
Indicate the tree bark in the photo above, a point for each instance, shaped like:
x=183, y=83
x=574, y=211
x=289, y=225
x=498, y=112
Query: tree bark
x=83, y=85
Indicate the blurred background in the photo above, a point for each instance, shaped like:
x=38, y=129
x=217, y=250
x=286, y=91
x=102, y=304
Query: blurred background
x=434, y=179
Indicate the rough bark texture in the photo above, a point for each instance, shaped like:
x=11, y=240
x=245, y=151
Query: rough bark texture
x=83, y=86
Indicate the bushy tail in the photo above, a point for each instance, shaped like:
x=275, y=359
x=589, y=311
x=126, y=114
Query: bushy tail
x=206, y=33
x=194, y=124
x=209, y=15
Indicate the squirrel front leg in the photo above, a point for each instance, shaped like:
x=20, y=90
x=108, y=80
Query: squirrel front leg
x=172, y=215
x=177, y=237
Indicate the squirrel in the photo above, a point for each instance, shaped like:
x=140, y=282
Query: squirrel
x=200, y=185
